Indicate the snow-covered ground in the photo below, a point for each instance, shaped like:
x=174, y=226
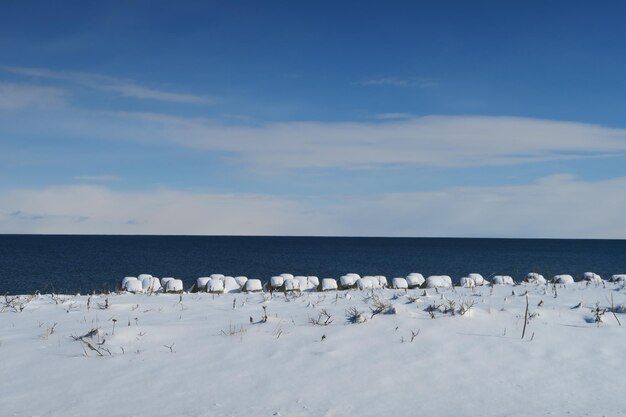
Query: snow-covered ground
x=215, y=355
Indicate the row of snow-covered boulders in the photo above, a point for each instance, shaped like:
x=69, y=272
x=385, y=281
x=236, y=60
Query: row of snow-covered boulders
x=218, y=283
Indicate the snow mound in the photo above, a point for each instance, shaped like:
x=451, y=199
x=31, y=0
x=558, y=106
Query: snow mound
x=287, y=276
x=151, y=284
x=415, y=279
x=563, y=279
x=292, y=284
x=382, y=281
x=141, y=277
x=126, y=279
x=202, y=282
x=399, y=284
x=535, y=278
x=174, y=285
x=618, y=278
x=478, y=279
x=277, y=281
x=502, y=280
x=329, y=284
x=241, y=281
x=217, y=276
x=364, y=284
x=230, y=285
x=165, y=280
x=133, y=285
x=468, y=282
x=438, y=281
x=593, y=278
x=347, y=281
x=314, y=282
x=215, y=285
x=253, y=285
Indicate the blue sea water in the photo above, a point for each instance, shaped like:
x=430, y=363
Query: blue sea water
x=84, y=264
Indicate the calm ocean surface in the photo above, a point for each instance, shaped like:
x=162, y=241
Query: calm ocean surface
x=87, y=263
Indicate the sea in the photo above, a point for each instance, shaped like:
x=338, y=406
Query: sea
x=84, y=264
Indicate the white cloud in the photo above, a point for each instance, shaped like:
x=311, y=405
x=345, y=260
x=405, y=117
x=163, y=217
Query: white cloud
x=103, y=178
x=557, y=206
x=440, y=141
x=18, y=96
x=105, y=83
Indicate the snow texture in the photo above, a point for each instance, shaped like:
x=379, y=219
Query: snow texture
x=563, y=279
x=535, y=278
x=329, y=284
x=399, y=284
x=277, y=281
x=133, y=285
x=415, y=280
x=438, y=281
x=174, y=285
x=503, y=280
x=201, y=283
x=253, y=285
x=215, y=285
x=593, y=278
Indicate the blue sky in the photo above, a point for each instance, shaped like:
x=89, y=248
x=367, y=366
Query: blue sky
x=350, y=118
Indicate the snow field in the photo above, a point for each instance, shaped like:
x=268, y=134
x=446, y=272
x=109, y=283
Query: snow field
x=156, y=339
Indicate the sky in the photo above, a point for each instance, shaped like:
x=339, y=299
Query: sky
x=354, y=118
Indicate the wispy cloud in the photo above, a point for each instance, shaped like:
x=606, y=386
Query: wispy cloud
x=556, y=206
x=18, y=96
x=119, y=86
x=98, y=178
x=398, y=82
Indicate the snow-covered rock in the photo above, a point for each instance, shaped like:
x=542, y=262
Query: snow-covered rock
x=478, y=279
x=314, y=282
x=174, y=285
x=241, y=281
x=230, y=285
x=253, y=285
x=373, y=280
x=415, y=280
x=287, y=276
x=364, y=284
x=217, y=276
x=618, y=278
x=329, y=284
x=215, y=285
x=593, y=278
x=347, y=281
x=277, y=281
x=399, y=284
x=535, y=278
x=467, y=282
x=502, y=280
x=151, y=284
x=133, y=285
x=563, y=279
x=126, y=279
x=292, y=284
x=202, y=282
x=382, y=281
x=303, y=282
x=165, y=280
x=438, y=281
x=141, y=277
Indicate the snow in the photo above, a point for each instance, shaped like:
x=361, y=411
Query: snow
x=478, y=279
x=160, y=343
x=364, y=283
x=292, y=284
x=277, y=281
x=618, y=278
x=287, y=276
x=126, y=279
x=241, y=281
x=438, y=281
x=141, y=277
x=382, y=281
x=217, y=276
x=593, y=278
x=231, y=285
x=165, y=280
x=467, y=282
x=215, y=285
x=399, y=283
x=201, y=283
x=415, y=280
x=314, y=282
x=253, y=285
x=329, y=284
x=151, y=284
x=303, y=283
x=133, y=285
x=563, y=279
x=503, y=280
x=173, y=285
x=535, y=278
x=347, y=281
